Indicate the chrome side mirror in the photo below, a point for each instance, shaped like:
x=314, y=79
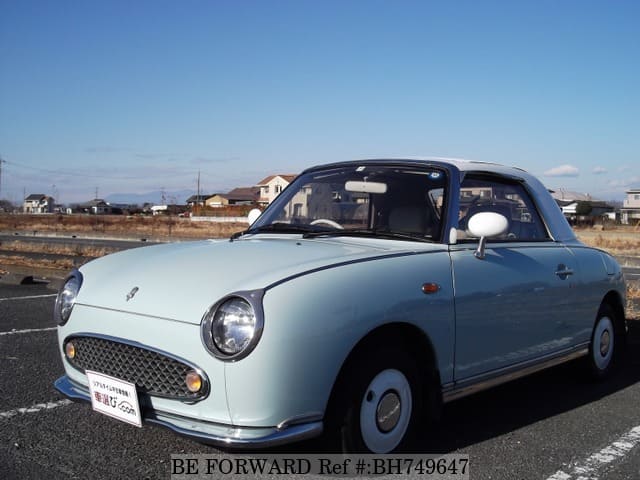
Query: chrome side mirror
x=486, y=225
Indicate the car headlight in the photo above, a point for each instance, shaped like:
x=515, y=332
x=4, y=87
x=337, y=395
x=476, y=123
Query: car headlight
x=232, y=327
x=67, y=297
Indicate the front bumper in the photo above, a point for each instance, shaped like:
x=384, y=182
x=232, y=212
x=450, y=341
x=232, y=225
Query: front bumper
x=207, y=432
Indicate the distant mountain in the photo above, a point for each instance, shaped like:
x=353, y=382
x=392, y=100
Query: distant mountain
x=179, y=197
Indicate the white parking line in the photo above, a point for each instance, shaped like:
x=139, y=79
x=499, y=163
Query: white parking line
x=27, y=298
x=590, y=467
x=35, y=408
x=27, y=330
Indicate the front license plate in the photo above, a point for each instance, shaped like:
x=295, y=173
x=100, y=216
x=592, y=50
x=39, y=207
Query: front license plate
x=114, y=397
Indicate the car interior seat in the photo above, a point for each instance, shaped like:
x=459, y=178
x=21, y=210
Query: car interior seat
x=408, y=219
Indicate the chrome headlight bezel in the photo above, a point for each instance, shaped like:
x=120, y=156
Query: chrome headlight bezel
x=67, y=296
x=254, y=300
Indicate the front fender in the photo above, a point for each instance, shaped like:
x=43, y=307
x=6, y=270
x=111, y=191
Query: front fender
x=312, y=322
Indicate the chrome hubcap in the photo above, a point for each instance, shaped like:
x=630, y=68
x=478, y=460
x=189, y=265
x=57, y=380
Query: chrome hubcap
x=388, y=412
x=603, y=343
x=385, y=411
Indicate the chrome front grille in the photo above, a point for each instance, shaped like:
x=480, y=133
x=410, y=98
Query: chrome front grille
x=152, y=372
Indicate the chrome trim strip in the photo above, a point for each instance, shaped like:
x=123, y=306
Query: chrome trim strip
x=478, y=383
x=133, y=312
x=243, y=437
x=298, y=419
x=217, y=434
x=205, y=379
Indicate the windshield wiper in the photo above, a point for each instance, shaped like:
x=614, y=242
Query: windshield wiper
x=275, y=228
x=368, y=233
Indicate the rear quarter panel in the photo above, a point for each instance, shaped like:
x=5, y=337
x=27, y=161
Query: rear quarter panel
x=599, y=274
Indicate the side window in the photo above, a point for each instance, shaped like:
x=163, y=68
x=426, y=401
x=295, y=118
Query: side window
x=510, y=199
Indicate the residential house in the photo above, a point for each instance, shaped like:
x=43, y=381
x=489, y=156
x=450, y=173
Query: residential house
x=243, y=196
x=168, y=209
x=598, y=208
x=38, y=203
x=197, y=200
x=271, y=187
x=570, y=204
x=630, y=211
x=97, y=206
x=237, y=196
x=565, y=197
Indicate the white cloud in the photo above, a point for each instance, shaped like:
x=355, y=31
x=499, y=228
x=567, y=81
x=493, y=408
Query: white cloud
x=599, y=170
x=562, y=171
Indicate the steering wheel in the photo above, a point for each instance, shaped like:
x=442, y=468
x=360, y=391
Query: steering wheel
x=326, y=221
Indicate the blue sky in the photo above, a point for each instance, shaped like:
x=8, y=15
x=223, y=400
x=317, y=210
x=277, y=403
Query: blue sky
x=137, y=96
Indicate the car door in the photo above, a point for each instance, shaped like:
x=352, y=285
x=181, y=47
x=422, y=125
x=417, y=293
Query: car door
x=515, y=304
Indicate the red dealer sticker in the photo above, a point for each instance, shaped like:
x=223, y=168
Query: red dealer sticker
x=115, y=398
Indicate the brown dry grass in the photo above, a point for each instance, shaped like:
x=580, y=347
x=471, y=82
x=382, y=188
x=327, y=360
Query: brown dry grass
x=118, y=225
x=611, y=243
x=76, y=250
x=158, y=227
x=63, y=264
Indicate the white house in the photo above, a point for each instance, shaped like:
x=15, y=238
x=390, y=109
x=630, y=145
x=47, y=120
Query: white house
x=271, y=187
x=630, y=211
x=38, y=203
x=159, y=209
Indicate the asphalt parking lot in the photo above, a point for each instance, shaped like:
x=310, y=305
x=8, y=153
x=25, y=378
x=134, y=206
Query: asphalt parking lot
x=553, y=425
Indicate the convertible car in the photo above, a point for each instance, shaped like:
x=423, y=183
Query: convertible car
x=364, y=296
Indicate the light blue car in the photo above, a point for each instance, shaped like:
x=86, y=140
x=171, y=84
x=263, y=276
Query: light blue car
x=363, y=297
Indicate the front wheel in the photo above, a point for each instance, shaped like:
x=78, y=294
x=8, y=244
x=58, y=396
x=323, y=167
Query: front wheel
x=379, y=411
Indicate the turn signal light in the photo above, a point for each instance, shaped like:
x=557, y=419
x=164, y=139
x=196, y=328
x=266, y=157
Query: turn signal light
x=429, y=288
x=70, y=350
x=193, y=381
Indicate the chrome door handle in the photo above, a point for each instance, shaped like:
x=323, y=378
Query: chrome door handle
x=564, y=273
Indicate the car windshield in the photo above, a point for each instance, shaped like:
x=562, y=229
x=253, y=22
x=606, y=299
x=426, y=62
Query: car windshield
x=381, y=201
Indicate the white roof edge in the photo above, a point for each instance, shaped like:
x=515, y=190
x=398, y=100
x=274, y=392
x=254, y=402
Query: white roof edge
x=558, y=226
x=463, y=164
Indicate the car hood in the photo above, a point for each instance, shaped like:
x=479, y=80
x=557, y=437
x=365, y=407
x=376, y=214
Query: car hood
x=180, y=281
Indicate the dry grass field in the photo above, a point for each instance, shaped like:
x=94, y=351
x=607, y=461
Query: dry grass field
x=618, y=241
x=621, y=242
x=138, y=226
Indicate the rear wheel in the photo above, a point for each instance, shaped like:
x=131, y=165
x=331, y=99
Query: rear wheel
x=378, y=405
x=605, y=344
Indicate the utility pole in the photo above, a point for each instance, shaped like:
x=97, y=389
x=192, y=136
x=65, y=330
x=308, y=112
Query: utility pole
x=53, y=196
x=198, y=194
x=1, y=162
